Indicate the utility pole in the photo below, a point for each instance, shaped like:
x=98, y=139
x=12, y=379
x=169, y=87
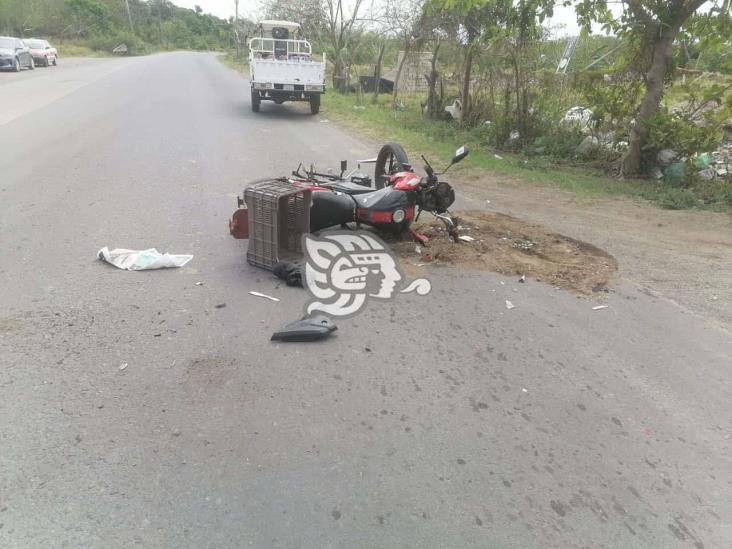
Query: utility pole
x=129, y=16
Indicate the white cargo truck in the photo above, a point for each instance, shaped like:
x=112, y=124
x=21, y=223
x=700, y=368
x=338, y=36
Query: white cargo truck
x=282, y=67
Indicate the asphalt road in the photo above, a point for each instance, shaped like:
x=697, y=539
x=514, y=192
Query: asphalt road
x=441, y=421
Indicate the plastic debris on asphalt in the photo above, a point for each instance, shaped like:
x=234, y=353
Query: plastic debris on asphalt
x=598, y=307
x=510, y=305
x=291, y=273
x=265, y=296
x=307, y=329
x=141, y=260
x=466, y=238
x=123, y=366
x=522, y=279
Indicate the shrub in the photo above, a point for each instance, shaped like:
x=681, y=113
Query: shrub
x=677, y=199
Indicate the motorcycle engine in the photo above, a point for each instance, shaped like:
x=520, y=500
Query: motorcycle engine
x=437, y=198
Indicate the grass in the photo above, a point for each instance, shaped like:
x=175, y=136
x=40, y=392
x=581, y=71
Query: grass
x=70, y=49
x=239, y=63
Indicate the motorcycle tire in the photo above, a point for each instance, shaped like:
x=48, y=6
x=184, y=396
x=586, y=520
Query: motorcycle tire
x=391, y=159
x=314, y=104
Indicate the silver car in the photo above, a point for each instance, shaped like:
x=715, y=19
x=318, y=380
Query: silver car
x=14, y=54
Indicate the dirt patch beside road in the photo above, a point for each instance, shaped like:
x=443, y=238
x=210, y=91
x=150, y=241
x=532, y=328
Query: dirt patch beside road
x=513, y=247
x=684, y=256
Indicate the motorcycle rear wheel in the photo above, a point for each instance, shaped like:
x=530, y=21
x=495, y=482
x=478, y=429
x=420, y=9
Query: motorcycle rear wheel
x=391, y=159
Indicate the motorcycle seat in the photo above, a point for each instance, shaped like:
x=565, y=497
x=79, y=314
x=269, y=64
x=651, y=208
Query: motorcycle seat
x=351, y=188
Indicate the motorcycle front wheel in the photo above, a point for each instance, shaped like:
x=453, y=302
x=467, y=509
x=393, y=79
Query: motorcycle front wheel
x=391, y=159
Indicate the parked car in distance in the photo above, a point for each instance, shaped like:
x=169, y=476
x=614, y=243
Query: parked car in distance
x=44, y=54
x=14, y=54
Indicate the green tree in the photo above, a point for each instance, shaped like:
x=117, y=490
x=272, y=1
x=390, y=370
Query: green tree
x=653, y=26
x=479, y=22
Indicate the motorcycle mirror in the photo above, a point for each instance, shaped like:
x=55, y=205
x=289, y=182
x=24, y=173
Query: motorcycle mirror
x=461, y=153
x=344, y=166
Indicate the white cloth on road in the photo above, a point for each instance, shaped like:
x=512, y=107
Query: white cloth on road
x=141, y=260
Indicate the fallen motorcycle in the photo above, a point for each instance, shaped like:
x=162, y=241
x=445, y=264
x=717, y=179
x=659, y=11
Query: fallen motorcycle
x=395, y=198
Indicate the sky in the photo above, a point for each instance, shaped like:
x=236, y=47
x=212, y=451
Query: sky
x=564, y=20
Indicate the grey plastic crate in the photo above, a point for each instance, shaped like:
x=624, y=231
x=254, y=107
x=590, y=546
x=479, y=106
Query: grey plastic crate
x=279, y=214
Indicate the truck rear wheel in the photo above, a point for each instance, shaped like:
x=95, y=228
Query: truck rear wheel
x=256, y=101
x=315, y=104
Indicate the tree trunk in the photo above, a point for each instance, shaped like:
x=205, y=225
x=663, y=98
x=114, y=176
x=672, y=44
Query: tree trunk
x=434, y=102
x=395, y=91
x=377, y=73
x=467, y=74
x=339, y=79
x=662, y=52
x=517, y=92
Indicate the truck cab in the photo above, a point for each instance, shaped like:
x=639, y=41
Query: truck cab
x=282, y=66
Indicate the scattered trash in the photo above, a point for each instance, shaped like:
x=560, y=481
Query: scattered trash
x=455, y=110
x=702, y=161
x=466, y=238
x=524, y=390
x=220, y=306
x=141, y=260
x=487, y=201
x=291, y=273
x=675, y=173
x=587, y=145
x=510, y=305
x=581, y=116
x=358, y=107
x=123, y=366
x=522, y=279
x=427, y=257
x=497, y=157
x=307, y=329
x=419, y=238
x=666, y=157
x=257, y=294
x=199, y=283
x=325, y=121
x=708, y=174
x=418, y=249
x=598, y=307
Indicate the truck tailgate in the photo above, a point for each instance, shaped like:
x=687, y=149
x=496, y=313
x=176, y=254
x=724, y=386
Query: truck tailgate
x=288, y=72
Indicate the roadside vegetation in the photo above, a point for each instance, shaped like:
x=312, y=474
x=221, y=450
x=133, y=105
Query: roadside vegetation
x=96, y=27
x=439, y=139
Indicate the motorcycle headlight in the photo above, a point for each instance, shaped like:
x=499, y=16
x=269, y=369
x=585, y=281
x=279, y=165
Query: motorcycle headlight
x=398, y=216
